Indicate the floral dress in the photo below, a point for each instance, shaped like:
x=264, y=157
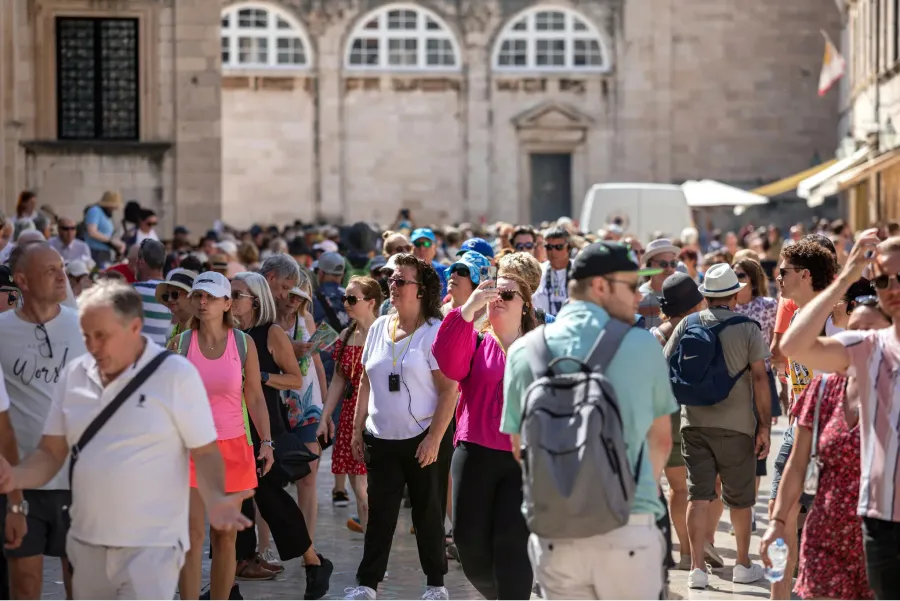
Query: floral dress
x=763, y=310
x=342, y=460
x=832, y=564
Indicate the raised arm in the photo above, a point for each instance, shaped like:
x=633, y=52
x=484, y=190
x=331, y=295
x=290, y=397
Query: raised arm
x=454, y=345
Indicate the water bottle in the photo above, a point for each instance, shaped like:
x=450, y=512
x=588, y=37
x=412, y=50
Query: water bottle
x=778, y=554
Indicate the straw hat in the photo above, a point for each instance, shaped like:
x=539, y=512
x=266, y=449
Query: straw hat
x=111, y=200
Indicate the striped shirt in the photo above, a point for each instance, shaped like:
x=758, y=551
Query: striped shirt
x=874, y=362
x=157, y=317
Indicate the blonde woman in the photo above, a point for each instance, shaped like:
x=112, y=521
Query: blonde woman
x=304, y=404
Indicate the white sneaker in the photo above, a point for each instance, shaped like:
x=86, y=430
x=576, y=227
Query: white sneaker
x=742, y=575
x=270, y=556
x=436, y=592
x=698, y=579
x=360, y=592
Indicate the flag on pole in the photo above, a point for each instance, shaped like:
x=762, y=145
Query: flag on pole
x=833, y=65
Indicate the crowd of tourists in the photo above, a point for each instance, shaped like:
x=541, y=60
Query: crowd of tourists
x=158, y=390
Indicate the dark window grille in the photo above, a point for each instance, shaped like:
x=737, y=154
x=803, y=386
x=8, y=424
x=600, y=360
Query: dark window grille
x=97, y=79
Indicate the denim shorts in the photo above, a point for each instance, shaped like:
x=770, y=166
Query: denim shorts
x=780, y=462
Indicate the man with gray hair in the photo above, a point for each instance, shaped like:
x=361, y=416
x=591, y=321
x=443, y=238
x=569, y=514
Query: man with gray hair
x=282, y=273
x=149, y=274
x=129, y=472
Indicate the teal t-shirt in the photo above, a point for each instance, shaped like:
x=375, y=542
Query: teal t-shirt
x=639, y=375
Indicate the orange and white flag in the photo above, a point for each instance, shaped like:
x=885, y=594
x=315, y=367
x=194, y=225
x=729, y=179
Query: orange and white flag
x=833, y=66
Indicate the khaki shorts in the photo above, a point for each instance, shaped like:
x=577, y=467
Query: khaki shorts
x=715, y=451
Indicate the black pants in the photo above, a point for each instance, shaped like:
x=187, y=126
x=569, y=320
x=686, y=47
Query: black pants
x=4, y=577
x=881, y=541
x=488, y=527
x=283, y=516
x=391, y=464
x=445, y=458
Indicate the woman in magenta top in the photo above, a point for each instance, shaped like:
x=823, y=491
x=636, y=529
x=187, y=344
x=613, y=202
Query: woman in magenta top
x=488, y=527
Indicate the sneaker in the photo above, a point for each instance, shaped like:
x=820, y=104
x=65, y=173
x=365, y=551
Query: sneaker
x=436, y=592
x=353, y=525
x=318, y=579
x=684, y=563
x=698, y=579
x=712, y=556
x=270, y=561
x=742, y=575
x=339, y=498
x=359, y=592
x=251, y=570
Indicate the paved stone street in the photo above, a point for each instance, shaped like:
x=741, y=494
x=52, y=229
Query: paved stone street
x=405, y=580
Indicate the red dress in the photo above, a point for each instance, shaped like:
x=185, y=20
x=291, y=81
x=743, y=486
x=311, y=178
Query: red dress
x=342, y=461
x=832, y=564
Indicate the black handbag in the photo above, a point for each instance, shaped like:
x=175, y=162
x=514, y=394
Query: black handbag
x=292, y=458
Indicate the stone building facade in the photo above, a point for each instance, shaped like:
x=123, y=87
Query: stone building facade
x=510, y=109
x=112, y=94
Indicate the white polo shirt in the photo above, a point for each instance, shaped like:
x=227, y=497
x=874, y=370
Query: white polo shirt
x=131, y=484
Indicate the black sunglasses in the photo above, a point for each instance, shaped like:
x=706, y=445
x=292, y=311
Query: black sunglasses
x=508, y=295
x=665, y=264
x=461, y=270
x=171, y=296
x=66, y=228
x=422, y=243
x=43, y=337
x=352, y=299
x=401, y=282
x=742, y=276
x=883, y=281
x=404, y=249
x=12, y=299
x=555, y=246
x=525, y=246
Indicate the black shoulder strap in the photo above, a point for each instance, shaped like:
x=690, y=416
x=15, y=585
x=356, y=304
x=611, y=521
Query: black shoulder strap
x=538, y=353
x=330, y=313
x=113, y=406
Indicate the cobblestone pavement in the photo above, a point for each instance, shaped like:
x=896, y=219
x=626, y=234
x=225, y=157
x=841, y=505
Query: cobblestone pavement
x=405, y=579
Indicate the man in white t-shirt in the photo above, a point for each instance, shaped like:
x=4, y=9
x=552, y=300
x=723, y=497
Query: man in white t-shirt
x=130, y=496
x=39, y=340
x=553, y=291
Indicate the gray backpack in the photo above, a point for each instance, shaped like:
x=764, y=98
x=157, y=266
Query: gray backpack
x=577, y=481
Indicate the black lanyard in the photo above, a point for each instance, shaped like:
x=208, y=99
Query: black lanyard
x=550, y=271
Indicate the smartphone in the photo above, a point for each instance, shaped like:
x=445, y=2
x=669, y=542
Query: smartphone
x=488, y=273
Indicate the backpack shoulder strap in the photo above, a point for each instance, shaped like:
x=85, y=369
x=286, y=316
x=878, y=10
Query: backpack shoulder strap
x=184, y=342
x=607, y=344
x=240, y=338
x=733, y=321
x=537, y=352
x=693, y=320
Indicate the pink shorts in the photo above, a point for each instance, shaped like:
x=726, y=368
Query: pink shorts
x=240, y=465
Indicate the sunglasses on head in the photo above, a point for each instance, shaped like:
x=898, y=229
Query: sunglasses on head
x=666, y=264
x=864, y=301
x=461, y=270
x=352, y=299
x=173, y=296
x=423, y=243
x=883, y=281
x=555, y=246
x=524, y=245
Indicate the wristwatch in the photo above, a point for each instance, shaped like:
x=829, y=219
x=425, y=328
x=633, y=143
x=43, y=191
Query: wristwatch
x=267, y=443
x=265, y=376
x=21, y=508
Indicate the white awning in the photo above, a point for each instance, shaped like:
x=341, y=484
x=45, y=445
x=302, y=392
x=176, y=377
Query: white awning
x=820, y=186
x=709, y=193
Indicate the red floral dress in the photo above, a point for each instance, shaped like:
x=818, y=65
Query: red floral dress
x=832, y=564
x=342, y=461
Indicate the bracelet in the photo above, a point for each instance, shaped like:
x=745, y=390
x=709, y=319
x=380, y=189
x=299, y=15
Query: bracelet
x=774, y=519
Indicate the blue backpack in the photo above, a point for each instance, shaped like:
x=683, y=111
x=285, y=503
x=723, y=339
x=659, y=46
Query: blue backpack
x=697, y=368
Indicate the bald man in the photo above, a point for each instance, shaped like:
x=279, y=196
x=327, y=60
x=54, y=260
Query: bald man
x=68, y=246
x=39, y=340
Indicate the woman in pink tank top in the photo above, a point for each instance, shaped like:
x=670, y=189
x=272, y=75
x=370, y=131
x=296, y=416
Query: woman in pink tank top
x=214, y=351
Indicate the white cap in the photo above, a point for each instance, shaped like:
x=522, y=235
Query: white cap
x=329, y=246
x=213, y=283
x=392, y=262
x=77, y=268
x=228, y=247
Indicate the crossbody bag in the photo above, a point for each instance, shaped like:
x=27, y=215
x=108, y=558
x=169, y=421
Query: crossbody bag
x=811, y=482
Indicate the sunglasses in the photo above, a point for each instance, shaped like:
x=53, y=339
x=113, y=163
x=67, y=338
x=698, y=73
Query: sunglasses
x=508, y=295
x=742, y=276
x=883, y=281
x=461, y=270
x=400, y=282
x=423, y=243
x=66, y=228
x=171, y=296
x=352, y=299
x=555, y=246
x=12, y=299
x=525, y=246
x=238, y=295
x=666, y=264
x=633, y=286
x=400, y=249
x=152, y=223
x=783, y=271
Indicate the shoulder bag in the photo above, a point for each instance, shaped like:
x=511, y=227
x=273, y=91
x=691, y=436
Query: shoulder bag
x=811, y=482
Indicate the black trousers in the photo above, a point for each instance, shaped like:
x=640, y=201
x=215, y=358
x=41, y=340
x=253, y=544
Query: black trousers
x=488, y=527
x=881, y=541
x=284, y=517
x=445, y=458
x=4, y=577
x=391, y=465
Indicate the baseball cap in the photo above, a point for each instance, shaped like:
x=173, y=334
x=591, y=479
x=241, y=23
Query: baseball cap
x=474, y=261
x=479, y=245
x=377, y=262
x=422, y=232
x=603, y=258
x=228, y=247
x=213, y=283
x=6, y=278
x=331, y=263
x=182, y=231
x=77, y=268
x=391, y=263
x=329, y=246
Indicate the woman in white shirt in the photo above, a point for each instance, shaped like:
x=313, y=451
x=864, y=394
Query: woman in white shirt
x=398, y=432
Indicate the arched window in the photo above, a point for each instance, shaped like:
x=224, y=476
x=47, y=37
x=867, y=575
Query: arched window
x=260, y=36
x=402, y=37
x=550, y=39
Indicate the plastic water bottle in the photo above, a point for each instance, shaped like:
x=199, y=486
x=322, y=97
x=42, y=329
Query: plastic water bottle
x=778, y=554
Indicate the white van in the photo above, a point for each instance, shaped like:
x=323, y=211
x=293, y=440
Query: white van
x=642, y=209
